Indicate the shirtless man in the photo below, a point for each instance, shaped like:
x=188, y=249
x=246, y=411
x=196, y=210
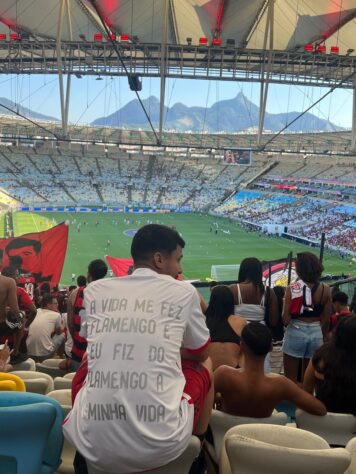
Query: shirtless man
x=11, y=319
x=248, y=392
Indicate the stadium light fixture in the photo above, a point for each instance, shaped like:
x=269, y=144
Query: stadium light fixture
x=203, y=41
x=124, y=38
x=308, y=47
x=2, y=36
x=216, y=42
x=321, y=48
x=14, y=37
x=98, y=37
x=334, y=50
x=111, y=37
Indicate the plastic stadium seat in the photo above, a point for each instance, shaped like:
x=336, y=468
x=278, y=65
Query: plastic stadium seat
x=181, y=465
x=54, y=443
x=12, y=381
x=51, y=367
x=271, y=449
x=62, y=383
x=336, y=428
x=69, y=376
x=351, y=448
x=221, y=422
x=64, y=398
x=36, y=382
x=23, y=435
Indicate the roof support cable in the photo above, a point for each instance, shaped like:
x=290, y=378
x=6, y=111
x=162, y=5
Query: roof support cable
x=336, y=86
x=93, y=2
x=31, y=121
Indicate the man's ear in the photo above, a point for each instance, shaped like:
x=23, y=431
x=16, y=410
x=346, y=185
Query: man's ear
x=158, y=260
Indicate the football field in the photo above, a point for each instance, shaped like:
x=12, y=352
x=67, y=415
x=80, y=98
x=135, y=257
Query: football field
x=203, y=247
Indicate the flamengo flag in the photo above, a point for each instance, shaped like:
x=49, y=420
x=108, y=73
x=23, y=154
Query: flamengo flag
x=42, y=253
x=120, y=266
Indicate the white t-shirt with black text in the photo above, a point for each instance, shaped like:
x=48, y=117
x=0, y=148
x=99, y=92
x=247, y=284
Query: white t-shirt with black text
x=129, y=415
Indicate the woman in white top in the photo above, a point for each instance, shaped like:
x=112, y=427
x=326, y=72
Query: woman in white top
x=252, y=300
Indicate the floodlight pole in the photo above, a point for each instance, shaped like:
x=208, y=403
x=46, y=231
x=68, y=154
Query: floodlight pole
x=59, y=62
x=265, y=74
x=353, y=132
x=163, y=68
x=64, y=97
x=69, y=77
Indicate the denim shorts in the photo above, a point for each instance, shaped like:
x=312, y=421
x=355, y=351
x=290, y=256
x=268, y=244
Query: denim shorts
x=302, y=339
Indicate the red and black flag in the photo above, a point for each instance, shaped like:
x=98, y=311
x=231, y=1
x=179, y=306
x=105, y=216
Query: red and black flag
x=42, y=253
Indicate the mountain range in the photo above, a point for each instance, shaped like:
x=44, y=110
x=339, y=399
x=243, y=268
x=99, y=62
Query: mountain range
x=232, y=115
x=22, y=110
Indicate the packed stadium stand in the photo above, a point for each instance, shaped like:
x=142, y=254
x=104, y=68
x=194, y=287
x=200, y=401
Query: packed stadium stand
x=305, y=194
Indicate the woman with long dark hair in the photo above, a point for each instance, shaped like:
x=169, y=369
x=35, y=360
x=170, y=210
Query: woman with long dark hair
x=252, y=300
x=332, y=371
x=225, y=328
x=306, y=314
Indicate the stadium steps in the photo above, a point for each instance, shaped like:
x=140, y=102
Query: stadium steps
x=160, y=195
x=322, y=171
x=296, y=171
x=97, y=189
x=62, y=185
x=76, y=164
x=200, y=172
x=55, y=164
x=219, y=174
x=11, y=163
x=100, y=173
x=262, y=171
x=34, y=165
x=150, y=167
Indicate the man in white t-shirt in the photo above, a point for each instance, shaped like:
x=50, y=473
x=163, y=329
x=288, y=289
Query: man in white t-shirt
x=148, y=383
x=45, y=334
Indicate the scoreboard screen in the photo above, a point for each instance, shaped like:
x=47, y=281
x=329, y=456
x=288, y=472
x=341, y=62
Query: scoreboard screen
x=238, y=156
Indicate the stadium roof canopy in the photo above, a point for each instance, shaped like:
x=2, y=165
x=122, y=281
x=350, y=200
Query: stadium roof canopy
x=247, y=40
x=295, y=22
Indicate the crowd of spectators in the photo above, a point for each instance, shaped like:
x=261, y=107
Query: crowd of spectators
x=121, y=334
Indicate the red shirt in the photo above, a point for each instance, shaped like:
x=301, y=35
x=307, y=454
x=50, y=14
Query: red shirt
x=24, y=299
x=335, y=318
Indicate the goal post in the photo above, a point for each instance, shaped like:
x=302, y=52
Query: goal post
x=224, y=272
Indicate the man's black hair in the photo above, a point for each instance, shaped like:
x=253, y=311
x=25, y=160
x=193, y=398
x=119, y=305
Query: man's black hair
x=97, y=269
x=16, y=261
x=81, y=280
x=45, y=288
x=71, y=288
x=9, y=272
x=47, y=299
x=258, y=338
x=153, y=238
x=340, y=297
x=23, y=242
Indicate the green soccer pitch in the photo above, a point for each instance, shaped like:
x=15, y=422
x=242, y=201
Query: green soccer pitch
x=203, y=247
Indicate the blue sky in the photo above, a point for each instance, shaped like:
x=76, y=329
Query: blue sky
x=91, y=98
